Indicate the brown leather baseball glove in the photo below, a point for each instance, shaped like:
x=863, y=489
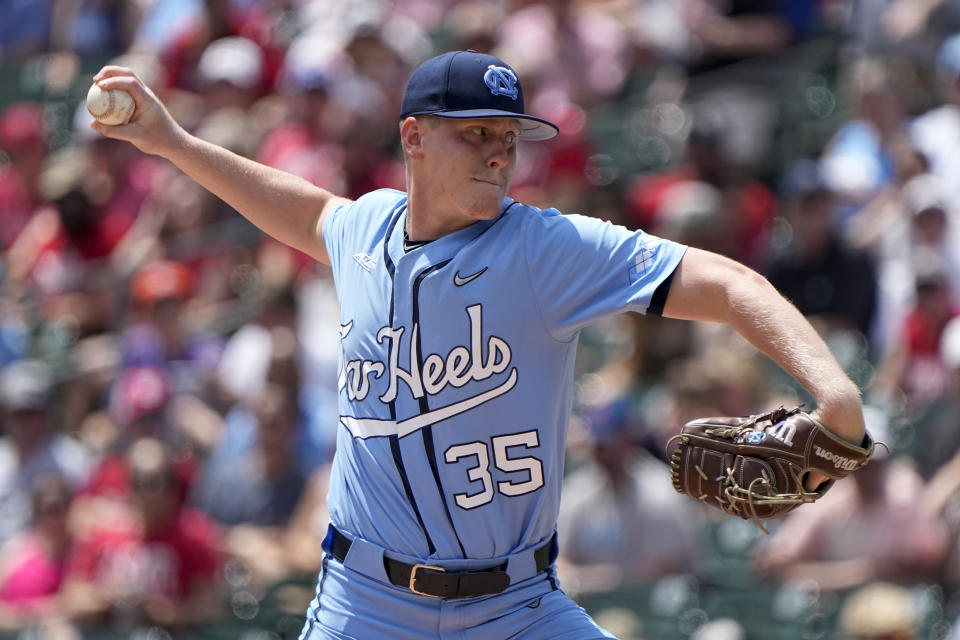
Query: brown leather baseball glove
x=754, y=467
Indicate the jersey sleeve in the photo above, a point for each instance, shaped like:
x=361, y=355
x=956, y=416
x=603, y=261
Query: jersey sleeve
x=334, y=231
x=582, y=269
x=356, y=228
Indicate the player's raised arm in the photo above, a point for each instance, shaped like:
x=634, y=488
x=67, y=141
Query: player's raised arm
x=710, y=287
x=284, y=206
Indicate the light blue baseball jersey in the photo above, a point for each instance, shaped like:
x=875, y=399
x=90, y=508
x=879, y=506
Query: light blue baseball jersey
x=457, y=364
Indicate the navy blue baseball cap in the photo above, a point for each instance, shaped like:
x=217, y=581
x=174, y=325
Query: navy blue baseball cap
x=467, y=84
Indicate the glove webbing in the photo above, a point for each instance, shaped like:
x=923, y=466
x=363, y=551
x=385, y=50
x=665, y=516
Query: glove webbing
x=737, y=497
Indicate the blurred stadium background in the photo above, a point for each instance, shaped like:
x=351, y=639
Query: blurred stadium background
x=169, y=375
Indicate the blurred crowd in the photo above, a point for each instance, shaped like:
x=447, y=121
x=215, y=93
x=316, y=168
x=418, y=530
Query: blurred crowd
x=168, y=375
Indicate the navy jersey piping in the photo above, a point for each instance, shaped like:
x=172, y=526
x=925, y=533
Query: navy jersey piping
x=391, y=269
x=394, y=439
x=398, y=461
x=427, y=432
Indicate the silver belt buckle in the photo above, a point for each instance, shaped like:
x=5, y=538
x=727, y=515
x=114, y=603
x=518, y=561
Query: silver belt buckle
x=413, y=578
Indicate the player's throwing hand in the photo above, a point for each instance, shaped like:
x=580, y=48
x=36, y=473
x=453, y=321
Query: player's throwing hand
x=151, y=128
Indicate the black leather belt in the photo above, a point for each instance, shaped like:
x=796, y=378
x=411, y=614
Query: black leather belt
x=428, y=580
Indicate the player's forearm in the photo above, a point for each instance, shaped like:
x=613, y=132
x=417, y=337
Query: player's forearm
x=775, y=327
x=711, y=287
x=284, y=206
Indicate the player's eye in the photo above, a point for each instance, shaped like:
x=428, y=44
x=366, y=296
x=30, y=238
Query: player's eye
x=511, y=137
x=478, y=131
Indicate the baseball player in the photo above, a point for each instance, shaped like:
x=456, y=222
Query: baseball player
x=460, y=312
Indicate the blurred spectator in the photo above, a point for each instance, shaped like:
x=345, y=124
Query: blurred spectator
x=138, y=401
x=140, y=406
x=337, y=80
x=185, y=224
x=383, y=53
x=93, y=364
x=718, y=376
x=706, y=35
x=725, y=32
x=118, y=181
x=725, y=377
x=871, y=528
x=23, y=138
x=859, y=159
x=254, y=495
x=267, y=351
x=30, y=447
x=883, y=221
x=93, y=28
x=136, y=409
x=935, y=437
x=707, y=200
x=32, y=563
x=888, y=228
x=620, y=520
x=831, y=283
x=318, y=316
x=692, y=212
x=230, y=73
x=261, y=487
x=156, y=566
x=544, y=40
x=879, y=611
x=97, y=190
x=304, y=144
x=250, y=352
x=910, y=27
x=187, y=34
x=93, y=193
x=472, y=24
x=25, y=28
x=15, y=329
x=303, y=537
x=936, y=133
x=160, y=332
x=933, y=226
x=913, y=365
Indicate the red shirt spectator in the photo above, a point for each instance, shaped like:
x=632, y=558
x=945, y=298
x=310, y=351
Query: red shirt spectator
x=23, y=138
x=171, y=562
x=155, y=563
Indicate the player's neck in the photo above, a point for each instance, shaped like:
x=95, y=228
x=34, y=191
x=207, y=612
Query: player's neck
x=426, y=222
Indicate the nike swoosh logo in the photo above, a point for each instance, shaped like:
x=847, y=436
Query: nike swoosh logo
x=460, y=281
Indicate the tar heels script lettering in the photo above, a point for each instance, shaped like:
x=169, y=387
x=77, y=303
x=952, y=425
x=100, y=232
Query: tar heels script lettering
x=458, y=367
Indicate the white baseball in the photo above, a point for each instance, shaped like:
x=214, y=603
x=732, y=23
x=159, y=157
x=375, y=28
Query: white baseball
x=111, y=106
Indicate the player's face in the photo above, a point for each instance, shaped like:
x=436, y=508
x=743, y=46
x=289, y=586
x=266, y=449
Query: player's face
x=469, y=164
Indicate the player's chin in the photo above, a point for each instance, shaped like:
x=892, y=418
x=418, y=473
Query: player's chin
x=486, y=203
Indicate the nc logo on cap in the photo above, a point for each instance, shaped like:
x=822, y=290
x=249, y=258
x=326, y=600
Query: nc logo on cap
x=501, y=81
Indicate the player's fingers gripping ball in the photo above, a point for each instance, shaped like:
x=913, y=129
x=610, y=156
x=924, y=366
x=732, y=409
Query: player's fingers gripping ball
x=110, y=106
x=754, y=467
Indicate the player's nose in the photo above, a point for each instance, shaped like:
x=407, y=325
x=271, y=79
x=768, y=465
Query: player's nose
x=499, y=155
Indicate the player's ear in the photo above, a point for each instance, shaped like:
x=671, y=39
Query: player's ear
x=411, y=136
